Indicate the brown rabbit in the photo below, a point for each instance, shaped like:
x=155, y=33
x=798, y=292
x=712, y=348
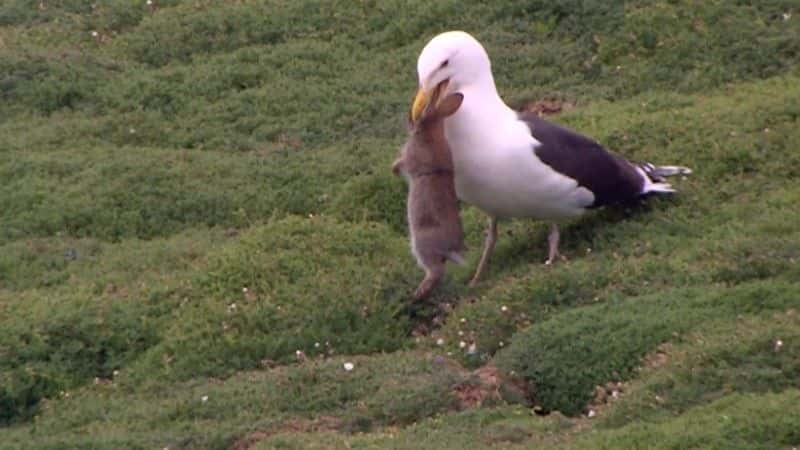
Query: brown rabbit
x=433, y=219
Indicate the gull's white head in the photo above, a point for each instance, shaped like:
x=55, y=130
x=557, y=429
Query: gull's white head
x=455, y=58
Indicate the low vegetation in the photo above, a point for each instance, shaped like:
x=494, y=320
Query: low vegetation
x=202, y=246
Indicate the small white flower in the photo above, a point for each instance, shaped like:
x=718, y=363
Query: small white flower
x=589, y=250
x=95, y=33
x=204, y=398
x=463, y=320
x=149, y=2
x=591, y=413
x=244, y=289
x=316, y=344
x=787, y=16
x=504, y=308
x=462, y=344
x=778, y=344
x=115, y=373
x=348, y=366
x=460, y=333
x=440, y=342
x=501, y=344
x=132, y=131
x=472, y=349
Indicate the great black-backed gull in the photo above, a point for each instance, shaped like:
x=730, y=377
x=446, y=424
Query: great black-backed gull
x=512, y=164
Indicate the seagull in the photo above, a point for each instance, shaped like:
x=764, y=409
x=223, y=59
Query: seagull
x=513, y=164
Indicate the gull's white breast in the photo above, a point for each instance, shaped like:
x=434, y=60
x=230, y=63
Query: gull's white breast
x=497, y=170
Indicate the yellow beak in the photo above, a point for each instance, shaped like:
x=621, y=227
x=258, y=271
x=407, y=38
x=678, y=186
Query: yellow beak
x=423, y=98
x=420, y=101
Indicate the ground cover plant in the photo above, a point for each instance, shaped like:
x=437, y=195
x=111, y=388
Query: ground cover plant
x=202, y=245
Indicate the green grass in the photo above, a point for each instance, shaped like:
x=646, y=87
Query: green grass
x=202, y=189
x=380, y=390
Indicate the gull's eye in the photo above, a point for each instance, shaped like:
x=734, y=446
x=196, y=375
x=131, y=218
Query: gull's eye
x=444, y=63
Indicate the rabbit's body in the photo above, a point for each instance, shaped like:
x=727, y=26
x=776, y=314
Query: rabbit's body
x=432, y=203
x=433, y=215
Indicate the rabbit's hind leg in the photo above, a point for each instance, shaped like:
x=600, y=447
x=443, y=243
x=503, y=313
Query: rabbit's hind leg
x=433, y=274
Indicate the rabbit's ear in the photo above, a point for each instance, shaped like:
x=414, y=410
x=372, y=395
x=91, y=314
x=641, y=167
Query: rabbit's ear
x=449, y=105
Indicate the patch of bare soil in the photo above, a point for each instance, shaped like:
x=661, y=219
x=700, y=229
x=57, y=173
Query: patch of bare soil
x=250, y=440
x=489, y=384
x=547, y=106
x=428, y=316
x=323, y=423
x=659, y=357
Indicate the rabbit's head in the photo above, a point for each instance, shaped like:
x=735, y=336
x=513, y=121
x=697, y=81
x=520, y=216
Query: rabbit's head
x=437, y=108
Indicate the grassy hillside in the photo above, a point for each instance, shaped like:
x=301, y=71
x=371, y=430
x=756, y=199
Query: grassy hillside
x=199, y=230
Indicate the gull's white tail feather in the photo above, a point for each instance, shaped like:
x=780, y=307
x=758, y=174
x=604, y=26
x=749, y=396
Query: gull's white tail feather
x=668, y=171
x=657, y=188
x=654, y=182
